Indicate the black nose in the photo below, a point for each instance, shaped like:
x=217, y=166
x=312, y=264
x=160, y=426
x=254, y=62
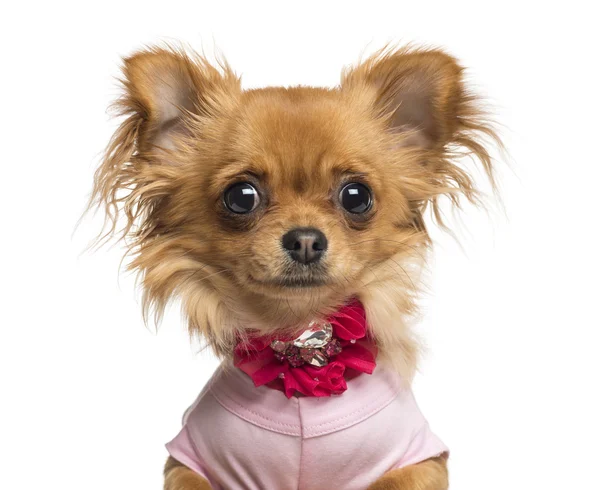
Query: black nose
x=305, y=245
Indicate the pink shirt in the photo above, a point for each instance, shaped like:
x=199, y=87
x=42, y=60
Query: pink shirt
x=240, y=437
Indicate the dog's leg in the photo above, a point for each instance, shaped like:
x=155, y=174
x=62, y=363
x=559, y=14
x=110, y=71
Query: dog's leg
x=180, y=477
x=428, y=475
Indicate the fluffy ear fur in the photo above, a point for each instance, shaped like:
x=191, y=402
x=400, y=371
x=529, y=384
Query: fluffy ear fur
x=421, y=97
x=164, y=86
x=166, y=92
x=160, y=85
x=419, y=92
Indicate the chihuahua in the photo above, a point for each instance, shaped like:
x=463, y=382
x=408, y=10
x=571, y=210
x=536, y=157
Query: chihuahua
x=291, y=225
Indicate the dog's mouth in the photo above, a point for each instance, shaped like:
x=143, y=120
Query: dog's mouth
x=299, y=282
x=288, y=282
x=293, y=279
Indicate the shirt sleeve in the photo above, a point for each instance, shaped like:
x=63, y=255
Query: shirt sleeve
x=423, y=446
x=182, y=449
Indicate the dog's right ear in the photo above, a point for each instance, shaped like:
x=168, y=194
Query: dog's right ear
x=165, y=86
x=169, y=96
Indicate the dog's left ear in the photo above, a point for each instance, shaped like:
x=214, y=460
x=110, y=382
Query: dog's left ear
x=421, y=98
x=419, y=92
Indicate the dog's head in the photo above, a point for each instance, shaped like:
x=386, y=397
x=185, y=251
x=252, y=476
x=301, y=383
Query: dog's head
x=261, y=209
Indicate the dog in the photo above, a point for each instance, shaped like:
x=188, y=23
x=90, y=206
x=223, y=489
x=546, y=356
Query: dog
x=291, y=225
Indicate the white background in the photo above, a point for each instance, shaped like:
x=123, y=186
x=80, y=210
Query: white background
x=89, y=395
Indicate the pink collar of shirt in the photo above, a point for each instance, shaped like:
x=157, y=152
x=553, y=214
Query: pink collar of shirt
x=269, y=409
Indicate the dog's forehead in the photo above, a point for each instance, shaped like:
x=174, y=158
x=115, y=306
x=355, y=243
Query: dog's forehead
x=300, y=132
x=291, y=116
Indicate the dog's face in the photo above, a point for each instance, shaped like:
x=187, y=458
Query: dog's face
x=264, y=208
x=303, y=198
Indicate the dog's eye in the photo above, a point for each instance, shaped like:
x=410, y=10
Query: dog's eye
x=356, y=198
x=241, y=198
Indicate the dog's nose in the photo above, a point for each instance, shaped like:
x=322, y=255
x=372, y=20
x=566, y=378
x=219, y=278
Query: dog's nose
x=305, y=245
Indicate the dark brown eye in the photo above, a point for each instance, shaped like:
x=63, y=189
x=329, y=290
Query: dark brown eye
x=356, y=198
x=241, y=198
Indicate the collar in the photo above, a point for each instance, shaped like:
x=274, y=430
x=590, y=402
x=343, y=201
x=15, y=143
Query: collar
x=317, y=362
x=271, y=410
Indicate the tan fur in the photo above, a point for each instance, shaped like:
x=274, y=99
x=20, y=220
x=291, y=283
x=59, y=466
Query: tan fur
x=398, y=121
x=179, y=477
x=428, y=475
